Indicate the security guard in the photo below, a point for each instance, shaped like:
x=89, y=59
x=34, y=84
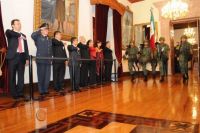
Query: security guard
x=145, y=58
x=132, y=52
x=185, y=54
x=163, y=56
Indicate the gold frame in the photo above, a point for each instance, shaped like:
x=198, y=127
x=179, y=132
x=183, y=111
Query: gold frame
x=132, y=32
x=37, y=19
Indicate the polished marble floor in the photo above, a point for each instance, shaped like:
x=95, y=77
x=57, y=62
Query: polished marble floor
x=124, y=106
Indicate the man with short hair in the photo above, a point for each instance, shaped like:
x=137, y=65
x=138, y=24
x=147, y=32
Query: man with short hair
x=132, y=52
x=163, y=56
x=17, y=56
x=44, y=49
x=145, y=58
x=58, y=65
x=185, y=55
x=84, y=70
x=74, y=64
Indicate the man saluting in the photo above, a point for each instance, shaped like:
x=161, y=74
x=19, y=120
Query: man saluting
x=44, y=49
x=17, y=56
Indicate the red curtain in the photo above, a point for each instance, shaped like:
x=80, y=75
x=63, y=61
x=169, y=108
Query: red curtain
x=117, y=30
x=101, y=22
x=4, y=77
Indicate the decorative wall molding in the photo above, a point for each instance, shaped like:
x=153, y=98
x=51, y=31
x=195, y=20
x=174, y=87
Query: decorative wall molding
x=114, y=4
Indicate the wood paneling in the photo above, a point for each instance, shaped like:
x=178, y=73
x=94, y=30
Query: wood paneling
x=171, y=100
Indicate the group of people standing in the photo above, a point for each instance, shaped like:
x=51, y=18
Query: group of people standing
x=87, y=62
x=96, y=62
x=143, y=55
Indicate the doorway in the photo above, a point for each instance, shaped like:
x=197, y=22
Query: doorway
x=189, y=27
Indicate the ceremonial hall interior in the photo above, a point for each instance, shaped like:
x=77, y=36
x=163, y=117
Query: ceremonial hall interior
x=99, y=66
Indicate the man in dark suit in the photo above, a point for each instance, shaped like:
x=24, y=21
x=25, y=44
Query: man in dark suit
x=74, y=63
x=58, y=65
x=108, y=61
x=17, y=56
x=44, y=49
x=84, y=51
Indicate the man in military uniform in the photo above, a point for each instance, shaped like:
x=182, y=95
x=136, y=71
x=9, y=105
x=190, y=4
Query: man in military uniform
x=132, y=52
x=163, y=56
x=44, y=49
x=185, y=54
x=154, y=60
x=145, y=57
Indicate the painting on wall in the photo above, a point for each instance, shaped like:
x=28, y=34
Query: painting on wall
x=61, y=15
x=127, y=28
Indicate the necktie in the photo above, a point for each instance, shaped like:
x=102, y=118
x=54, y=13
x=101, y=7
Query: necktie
x=20, y=45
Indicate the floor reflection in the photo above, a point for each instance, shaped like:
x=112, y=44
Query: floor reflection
x=99, y=120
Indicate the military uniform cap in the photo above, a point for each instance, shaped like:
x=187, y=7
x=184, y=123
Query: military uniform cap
x=44, y=25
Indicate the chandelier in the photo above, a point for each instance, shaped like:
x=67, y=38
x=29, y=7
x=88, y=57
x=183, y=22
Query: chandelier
x=190, y=33
x=174, y=9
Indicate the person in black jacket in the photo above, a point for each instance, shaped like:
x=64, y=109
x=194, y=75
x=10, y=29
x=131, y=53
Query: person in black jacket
x=44, y=49
x=108, y=61
x=17, y=56
x=58, y=65
x=84, y=51
x=74, y=64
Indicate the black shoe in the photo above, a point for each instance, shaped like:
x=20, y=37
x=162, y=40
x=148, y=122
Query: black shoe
x=154, y=76
x=132, y=77
x=15, y=97
x=21, y=96
x=162, y=79
x=78, y=90
x=184, y=78
x=41, y=94
x=46, y=93
x=145, y=78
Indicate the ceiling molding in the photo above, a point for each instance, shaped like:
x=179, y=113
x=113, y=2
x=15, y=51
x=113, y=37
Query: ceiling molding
x=134, y=1
x=114, y=4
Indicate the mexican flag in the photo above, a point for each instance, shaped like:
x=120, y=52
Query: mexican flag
x=152, y=31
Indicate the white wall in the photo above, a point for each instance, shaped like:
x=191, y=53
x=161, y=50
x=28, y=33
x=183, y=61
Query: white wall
x=141, y=11
x=24, y=10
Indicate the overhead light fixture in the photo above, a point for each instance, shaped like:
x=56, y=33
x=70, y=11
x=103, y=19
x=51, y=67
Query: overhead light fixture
x=190, y=33
x=175, y=9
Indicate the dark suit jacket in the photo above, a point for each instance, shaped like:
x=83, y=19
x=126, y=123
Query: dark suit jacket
x=74, y=55
x=44, y=46
x=84, y=51
x=58, y=50
x=13, y=43
x=107, y=55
